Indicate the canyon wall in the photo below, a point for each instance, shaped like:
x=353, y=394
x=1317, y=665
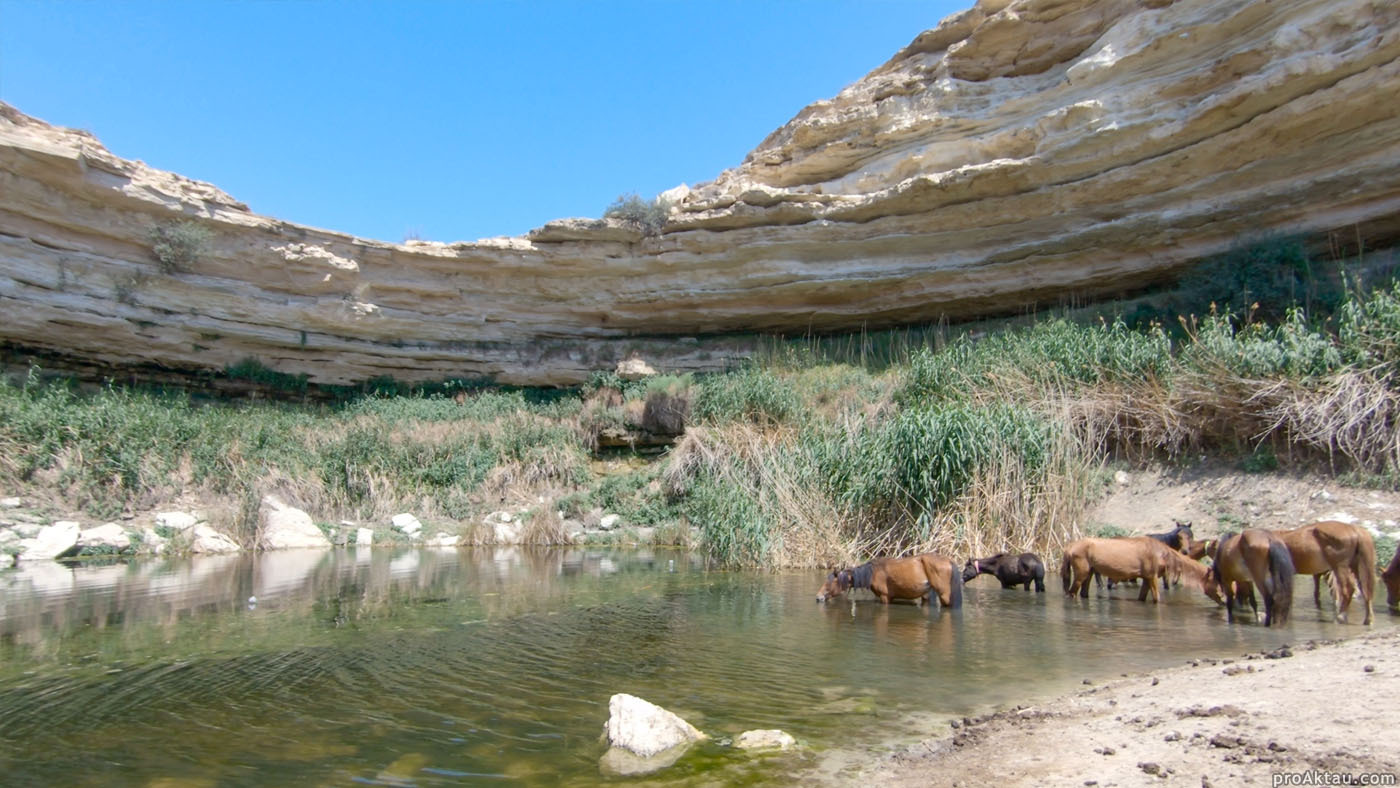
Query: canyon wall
x=1021, y=151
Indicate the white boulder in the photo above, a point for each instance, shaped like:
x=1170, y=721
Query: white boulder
x=106, y=535
x=443, y=539
x=52, y=541
x=364, y=537
x=204, y=539
x=506, y=533
x=634, y=369
x=609, y=521
x=179, y=521
x=407, y=524
x=766, y=739
x=644, y=728
x=286, y=526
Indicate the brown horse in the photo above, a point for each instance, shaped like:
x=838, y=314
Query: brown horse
x=1118, y=559
x=916, y=577
x=1391, y=576
x=1346, y=551
x=1200, y=548
x=1254, y=557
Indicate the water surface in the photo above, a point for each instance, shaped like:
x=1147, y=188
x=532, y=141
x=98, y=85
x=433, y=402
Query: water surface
x=447, y=667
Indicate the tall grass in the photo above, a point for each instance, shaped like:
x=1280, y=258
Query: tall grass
x=912, y=441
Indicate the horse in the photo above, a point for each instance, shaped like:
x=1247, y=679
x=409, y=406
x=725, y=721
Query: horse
x=1118, y=559
x=1346, y=551
x=1254, y=557
x=1391, y=576
x=1178, y=539
x=1201, y=548
x=1011, y=570
x=916, y=577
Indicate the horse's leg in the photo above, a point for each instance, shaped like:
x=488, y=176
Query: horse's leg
x=1317, y=590
x=1345, y=588
x=1229, y=602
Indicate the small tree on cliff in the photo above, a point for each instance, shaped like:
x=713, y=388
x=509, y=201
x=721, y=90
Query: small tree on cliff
x=649, y=217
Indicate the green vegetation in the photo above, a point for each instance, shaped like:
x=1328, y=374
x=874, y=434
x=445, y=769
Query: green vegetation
x=178, y=245
x=826, y=450
x=649, y=216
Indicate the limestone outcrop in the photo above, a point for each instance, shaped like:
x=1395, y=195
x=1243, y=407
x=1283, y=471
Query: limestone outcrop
x=1020, y=151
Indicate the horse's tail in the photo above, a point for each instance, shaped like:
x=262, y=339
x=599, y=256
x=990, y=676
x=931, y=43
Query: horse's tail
x=1281, y=573
x=955, y=586
x=1365, y=569
x=1065, y=571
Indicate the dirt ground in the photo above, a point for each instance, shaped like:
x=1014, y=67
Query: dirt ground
x=1215, y=499
x=1315, y=706
x=1326, y=706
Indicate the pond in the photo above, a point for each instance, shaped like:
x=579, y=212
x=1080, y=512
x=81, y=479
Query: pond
x=464, y=667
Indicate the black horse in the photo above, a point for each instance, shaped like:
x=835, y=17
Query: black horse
x=1178, y=538
x=1011, y=570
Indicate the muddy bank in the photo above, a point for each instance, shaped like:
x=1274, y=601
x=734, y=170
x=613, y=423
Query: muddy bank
x=1329, y=706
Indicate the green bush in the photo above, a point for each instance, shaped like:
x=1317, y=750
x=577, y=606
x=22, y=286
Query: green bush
x=1275, y=274
x=178, y=245
x=647, y=216
x=919, y=460
x=750, y=394
x=1055, y=352
x=735, y=529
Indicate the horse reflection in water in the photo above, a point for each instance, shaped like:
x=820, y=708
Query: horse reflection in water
x=917, y=578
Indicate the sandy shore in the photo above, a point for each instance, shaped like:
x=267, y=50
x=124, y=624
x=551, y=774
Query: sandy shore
x=1331, y=706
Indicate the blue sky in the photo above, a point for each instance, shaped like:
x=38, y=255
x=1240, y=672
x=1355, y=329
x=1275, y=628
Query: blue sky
x=445, y=120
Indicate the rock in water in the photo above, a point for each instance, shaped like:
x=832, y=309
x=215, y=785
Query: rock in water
x=644, y=728
x=769, y=739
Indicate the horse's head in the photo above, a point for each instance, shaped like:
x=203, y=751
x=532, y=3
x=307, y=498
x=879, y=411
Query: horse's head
x=836, y=584
x=971, y=569
x=1211, y=585
x=1185, y=535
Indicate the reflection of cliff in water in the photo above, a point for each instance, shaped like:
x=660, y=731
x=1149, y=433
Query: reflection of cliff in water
x=44, y=606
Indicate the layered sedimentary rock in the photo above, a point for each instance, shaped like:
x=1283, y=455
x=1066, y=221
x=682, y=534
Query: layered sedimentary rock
x=1020, y=151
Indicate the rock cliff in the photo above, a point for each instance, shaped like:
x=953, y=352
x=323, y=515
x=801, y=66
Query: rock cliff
x=1021, y=150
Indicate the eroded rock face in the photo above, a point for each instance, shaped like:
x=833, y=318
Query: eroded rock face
x=1021, y=150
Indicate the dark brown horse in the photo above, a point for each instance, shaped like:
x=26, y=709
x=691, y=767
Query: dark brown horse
x=1011, y=570
x=1178, y=539
x=1254, y=557
x=1119, y=559
x=1346, y=551
x=917, y=577
x=1391, y=576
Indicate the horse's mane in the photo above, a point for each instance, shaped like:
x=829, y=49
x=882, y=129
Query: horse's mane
x=860, y=576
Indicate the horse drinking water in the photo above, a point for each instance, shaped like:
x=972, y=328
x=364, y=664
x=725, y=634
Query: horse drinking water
x=917, y=577
x=1254, y=557
x=1011, y=570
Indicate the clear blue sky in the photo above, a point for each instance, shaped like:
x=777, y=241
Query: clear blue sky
x=448, y=120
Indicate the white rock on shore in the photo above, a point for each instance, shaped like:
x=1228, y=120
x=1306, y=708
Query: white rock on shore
x=52, y=541
x=204, y=539
x=407, y=524
x=106, y=535
x=286, y=527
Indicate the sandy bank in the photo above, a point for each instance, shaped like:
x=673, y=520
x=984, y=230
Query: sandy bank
x=1330, y=706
